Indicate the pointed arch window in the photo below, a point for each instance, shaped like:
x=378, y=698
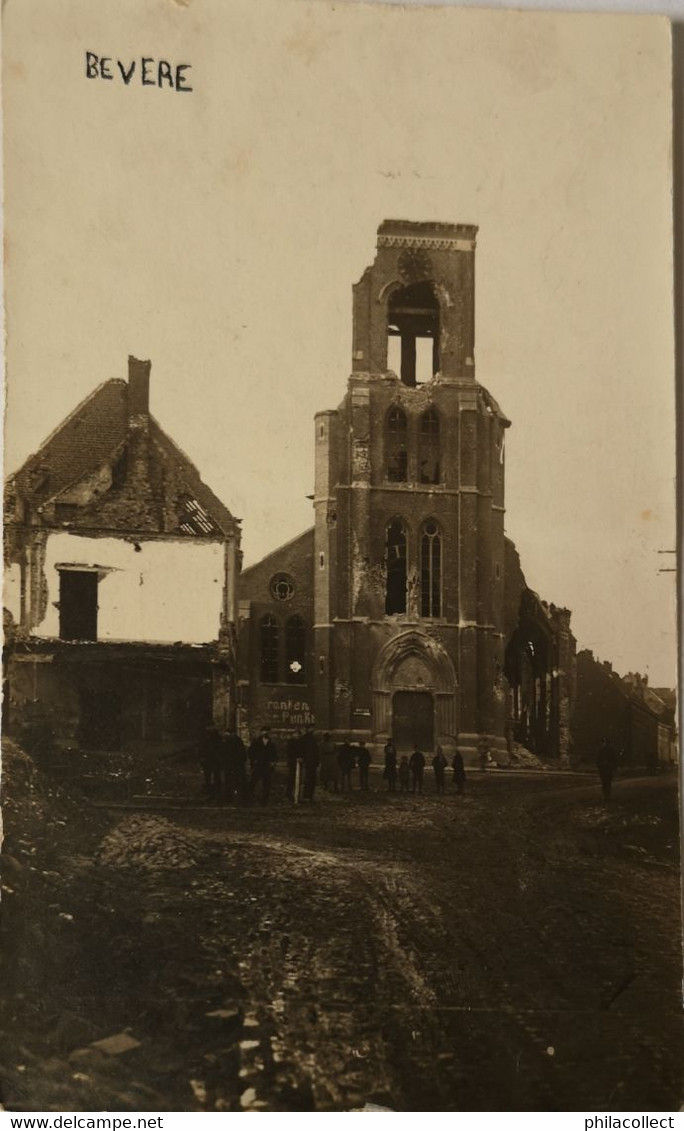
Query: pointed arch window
x=397, y=445
x=430, y=570
x=429, y=465
x=397, y=567
x=270, y=645
x=295, y=650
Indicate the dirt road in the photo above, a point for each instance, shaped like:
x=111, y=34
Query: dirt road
x=513, y=949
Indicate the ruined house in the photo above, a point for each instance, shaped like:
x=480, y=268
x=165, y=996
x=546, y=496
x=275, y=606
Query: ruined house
x=120, y=584
x=403, y=612
x=637, y=720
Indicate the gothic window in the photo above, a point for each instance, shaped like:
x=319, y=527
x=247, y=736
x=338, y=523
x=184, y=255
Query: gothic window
x=270, y=642
x=397, y=450
x=413, y=327
x=430, y=570
x=397, y=567
x=295, y=650
x=429, y=469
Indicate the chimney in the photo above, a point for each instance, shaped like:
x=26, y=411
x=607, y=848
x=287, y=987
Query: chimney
x=138, y=388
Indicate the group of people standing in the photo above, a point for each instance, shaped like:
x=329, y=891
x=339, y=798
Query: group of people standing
x=234, y=772
x=409, y=770
x=336, y=763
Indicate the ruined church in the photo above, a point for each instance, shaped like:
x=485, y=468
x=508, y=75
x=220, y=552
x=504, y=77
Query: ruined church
x=403, y=611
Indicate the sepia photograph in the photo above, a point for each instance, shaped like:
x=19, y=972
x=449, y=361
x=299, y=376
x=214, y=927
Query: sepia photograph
x=340, y=754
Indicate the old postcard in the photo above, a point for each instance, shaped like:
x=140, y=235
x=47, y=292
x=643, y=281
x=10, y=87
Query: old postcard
x=340, y=761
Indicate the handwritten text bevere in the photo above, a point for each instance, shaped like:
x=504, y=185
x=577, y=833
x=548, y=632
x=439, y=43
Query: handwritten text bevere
x=146, y=70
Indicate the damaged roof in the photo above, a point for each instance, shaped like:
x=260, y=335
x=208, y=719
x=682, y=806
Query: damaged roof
x=94, y=437
x=88, y=438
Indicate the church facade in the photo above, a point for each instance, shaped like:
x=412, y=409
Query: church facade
x=404, y=612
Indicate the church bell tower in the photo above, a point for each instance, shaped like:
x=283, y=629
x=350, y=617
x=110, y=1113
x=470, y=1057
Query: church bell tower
x=409, y=503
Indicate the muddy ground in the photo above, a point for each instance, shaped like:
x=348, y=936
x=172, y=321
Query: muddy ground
x=517, y=948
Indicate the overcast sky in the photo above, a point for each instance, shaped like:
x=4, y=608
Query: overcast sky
x=218, y=232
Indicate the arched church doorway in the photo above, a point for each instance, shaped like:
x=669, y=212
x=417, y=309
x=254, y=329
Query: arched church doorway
x=413, y=720
x=414, y=693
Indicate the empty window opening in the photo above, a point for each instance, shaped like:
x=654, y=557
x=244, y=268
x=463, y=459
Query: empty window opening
x=397, y=445
x=295, y=649
x=78, y=604
x=413, y=320
x=193, y=518
x=393, y=350
x=270, y=642
x=397, y=565
x=429, y=468
x=431, y=571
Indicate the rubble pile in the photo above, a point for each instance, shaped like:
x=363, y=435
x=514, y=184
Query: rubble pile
x=147, y=842
x=22, y=796
x=523, y=759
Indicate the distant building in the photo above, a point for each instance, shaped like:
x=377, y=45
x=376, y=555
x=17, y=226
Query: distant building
x=403, y=612
x=121, y=581
x=636, y=719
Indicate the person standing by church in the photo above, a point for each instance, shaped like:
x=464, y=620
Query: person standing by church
x=263, y=757
x=345, y=758
x=293, y=751
x=459, y=772
x=363, y=761
x=330, y=767
x=417, y=764
x=439, y=765
x=390, y=770
x=236, y=758
x=311, y=760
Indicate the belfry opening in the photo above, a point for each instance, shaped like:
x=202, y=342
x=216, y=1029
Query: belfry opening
x=413, y=333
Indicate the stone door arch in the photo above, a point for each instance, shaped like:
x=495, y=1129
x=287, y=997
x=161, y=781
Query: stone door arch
x=414, y=662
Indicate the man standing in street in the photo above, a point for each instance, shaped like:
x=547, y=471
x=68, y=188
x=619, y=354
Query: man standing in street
x=363, y=760
x=293, y=752
x=417, y=764
x=390, y=771
x=311, y=759
x=236, y=766
x=330, y=767
x=439, y=765
x=263, y=757
x=459, y=772
x=211, y=758
x=606, y=764
x=345, y=758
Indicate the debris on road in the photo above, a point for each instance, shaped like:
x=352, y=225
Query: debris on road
x=147, y=842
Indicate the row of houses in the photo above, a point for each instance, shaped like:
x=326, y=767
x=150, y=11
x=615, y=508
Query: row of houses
x=402, y=611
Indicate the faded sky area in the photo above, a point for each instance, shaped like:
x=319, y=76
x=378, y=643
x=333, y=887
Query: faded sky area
x=218, y=232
